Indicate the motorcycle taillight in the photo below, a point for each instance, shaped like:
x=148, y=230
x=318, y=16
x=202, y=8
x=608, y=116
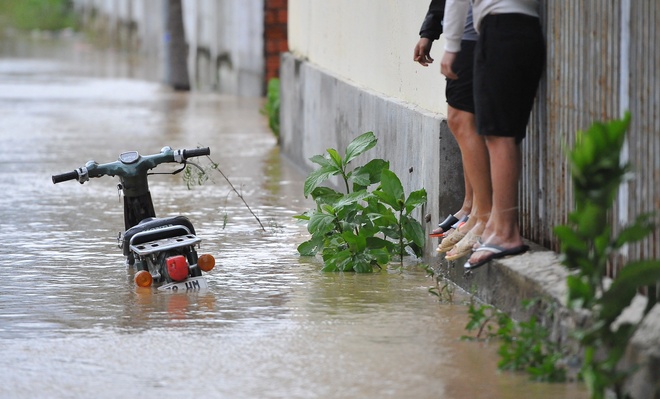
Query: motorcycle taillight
x=177, y=267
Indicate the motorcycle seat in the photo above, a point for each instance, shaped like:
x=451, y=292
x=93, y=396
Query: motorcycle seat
x=151, y=229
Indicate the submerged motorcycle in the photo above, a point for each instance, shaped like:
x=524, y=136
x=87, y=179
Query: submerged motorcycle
x=162, y=250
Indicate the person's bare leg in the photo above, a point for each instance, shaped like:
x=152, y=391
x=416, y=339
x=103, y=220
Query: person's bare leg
x=456, y=120
x=476, y=165
x=502, y=228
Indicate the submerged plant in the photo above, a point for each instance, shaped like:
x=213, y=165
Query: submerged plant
x=587, y=243
x=359, y=229
x=524, y=346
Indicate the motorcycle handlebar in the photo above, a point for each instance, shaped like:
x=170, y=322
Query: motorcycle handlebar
x=130, y=164
x=197, y=152
x=65, y=177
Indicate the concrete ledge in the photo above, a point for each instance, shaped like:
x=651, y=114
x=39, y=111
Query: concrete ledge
x=538, y=274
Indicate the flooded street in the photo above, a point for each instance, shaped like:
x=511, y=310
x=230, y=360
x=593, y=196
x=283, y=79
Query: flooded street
x=271, y=325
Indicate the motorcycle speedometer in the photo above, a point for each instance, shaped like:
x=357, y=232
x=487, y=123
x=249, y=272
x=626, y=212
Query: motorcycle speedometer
x=129, y=157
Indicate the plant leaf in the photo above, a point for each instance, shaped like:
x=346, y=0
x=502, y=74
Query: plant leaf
x=317, y=177
x=352, y=198
x=368, y=174
x=413, y=231
x=321, y=160
x=320, y=223
x=310, y=247
x=391, y=190
x=625, y=285
x=336, y=158
x=415, y=199
x=359, y=145
x=642, y=227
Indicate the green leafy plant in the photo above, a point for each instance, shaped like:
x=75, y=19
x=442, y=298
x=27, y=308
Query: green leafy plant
x=360, y=229
x=39, y=14
x=524, y=346
x=587, y=243
x=272, y=106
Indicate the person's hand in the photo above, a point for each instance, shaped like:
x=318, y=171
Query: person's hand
x=423, y=51
x=448, y=59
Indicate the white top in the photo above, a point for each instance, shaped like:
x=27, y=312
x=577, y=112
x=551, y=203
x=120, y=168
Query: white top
x=456, y=13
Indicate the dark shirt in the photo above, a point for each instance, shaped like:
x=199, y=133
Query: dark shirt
x=432, y=25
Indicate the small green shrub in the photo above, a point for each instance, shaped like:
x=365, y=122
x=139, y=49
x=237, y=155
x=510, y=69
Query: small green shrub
x=360, y=229
x=587, y=242
x=524, y=346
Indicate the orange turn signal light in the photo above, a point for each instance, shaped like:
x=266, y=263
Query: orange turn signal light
x=143, y=279
x=206, y=262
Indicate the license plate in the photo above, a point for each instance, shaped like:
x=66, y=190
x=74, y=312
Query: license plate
x=191, y=284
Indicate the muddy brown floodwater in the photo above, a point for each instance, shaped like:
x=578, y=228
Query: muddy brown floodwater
x=271, y=325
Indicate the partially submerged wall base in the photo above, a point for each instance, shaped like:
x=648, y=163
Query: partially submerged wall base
x=321, y=111
x=538, y=275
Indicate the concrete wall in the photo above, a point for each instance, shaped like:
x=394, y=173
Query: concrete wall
x=225, y=38
x=226, y=45
x=370, y=43
x=349, y=71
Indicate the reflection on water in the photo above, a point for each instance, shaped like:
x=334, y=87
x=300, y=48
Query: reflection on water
x=72, y=324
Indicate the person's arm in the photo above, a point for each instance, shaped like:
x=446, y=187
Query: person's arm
x=456, y=12
x=431, y=30
x=432, y=25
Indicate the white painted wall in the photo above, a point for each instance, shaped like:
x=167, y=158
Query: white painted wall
x=369, y=43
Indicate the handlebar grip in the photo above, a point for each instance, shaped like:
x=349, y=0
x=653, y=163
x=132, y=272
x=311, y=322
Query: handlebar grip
x=65, y=176
x=197, y=152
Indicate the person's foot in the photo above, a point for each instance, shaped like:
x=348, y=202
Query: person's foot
x=491, y=247
x=494, y=252
x=450, y=222
x=451, y=239
x=464, y=246
x=473, y=230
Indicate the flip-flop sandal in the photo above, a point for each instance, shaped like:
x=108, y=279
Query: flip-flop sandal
x=495, y=252
x=443, y=227
x=442, y=234
x=464, y=247
x=449, y=241
x=457, y=225
x=460, y=221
